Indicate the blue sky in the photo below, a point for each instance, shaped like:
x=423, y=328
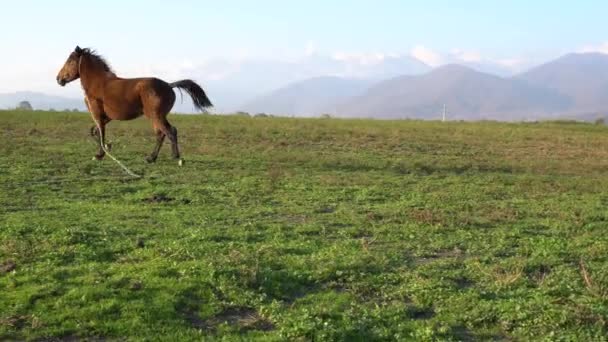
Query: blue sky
x=38, y=35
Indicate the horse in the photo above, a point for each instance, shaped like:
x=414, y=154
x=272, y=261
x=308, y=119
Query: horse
x=109, y=97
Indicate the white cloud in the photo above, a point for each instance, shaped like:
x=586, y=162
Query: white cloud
x=602, y=48
x=311, y=48
x=362, y=58
x=488, y=64
x=467, y=56
x=427, y=55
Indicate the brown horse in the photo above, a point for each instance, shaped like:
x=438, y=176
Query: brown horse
x=110, y=97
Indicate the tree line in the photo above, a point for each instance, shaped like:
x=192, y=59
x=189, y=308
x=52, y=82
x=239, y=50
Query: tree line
x=27, y=106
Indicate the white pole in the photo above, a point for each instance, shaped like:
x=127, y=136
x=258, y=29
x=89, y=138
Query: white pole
x=444, y=112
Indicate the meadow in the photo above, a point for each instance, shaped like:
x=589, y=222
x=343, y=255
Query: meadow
x=282, y=229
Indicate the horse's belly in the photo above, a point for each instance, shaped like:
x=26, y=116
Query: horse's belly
x=122, y=112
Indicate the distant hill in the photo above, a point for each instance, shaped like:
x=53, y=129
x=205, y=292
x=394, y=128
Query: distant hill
x=309, y=97
x=232, y=85
x=582, y=77
x=40, y=101
x=467, y=94
x=575, y=86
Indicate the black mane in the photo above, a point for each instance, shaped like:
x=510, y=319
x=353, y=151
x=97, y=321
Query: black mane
x=97, y=57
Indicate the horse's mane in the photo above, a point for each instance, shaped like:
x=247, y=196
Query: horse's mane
x=97, y=58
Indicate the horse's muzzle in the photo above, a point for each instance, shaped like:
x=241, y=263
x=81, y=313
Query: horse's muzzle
x=61, y=81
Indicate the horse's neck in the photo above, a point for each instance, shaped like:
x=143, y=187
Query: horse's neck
x=93, y=78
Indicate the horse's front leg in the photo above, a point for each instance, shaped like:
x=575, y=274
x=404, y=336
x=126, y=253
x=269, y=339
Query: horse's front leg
x=99, y=130
x=102, y=140
x=94, y=133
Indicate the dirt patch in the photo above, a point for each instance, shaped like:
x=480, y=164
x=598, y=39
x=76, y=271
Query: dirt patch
x=244, y=318
x=136, y=286
x=418, y=313
x=325, y=210
x=162, y=198
x=463, y=283
x=302, y=292
x=7, y=266
x=159, y=198
x=34, y=131
x=461, y=333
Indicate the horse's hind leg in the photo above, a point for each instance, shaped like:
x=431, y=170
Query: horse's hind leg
x=174, y=145
x=171, y=133
x=160, y=138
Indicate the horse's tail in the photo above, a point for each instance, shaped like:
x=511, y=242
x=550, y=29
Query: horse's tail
x=200, y=99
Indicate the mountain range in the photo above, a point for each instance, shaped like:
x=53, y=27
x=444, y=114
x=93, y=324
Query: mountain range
x=309, y=97
x=466, y=94
x=571, y=86
x=582, y=77
x=232, y=84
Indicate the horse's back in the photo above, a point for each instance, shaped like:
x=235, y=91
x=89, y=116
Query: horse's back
x=140, y=84
x=131, y=97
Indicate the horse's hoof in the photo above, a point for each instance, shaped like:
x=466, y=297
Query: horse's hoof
x=180, y=162
x=108, y=147
x=150, y=160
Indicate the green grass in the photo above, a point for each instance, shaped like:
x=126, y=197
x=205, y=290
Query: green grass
x=304, y=229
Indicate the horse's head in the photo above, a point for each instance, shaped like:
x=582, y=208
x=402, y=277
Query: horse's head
x=69, y=72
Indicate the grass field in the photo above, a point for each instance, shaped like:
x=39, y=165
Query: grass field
x=304, y=229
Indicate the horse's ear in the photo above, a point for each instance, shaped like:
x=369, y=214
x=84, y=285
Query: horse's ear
x=78, y=49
